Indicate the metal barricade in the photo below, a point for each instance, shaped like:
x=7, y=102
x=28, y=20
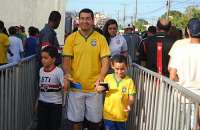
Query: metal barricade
x=161, y=104
x=17, y=91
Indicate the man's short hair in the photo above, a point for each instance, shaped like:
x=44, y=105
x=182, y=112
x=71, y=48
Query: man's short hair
x=12, y=30
x=164, y=24
x=152, y=29
x=86, y=10
x=54, y=16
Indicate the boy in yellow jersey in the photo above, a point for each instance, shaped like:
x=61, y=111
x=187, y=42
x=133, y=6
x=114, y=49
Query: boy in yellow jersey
x=120, y=95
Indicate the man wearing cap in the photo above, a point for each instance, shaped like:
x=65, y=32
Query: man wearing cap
x=185, y=62
x=154, y=50
x=133, y=41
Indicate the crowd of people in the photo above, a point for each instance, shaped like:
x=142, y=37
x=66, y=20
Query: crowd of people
x=94, y=64
x=15, y=44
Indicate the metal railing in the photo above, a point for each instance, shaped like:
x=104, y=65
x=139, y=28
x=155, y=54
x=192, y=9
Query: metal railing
x=17, y=92
x=161, y=104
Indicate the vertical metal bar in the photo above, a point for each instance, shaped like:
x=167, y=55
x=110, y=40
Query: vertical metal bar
x=153, y=103
x=160, y=106
x=175, y=110
x=2, y=100
x=183, y=111
x=171, y=110
x=156, y=102
x=169, y=93
x=196, y=115
x=147, y=100
x=9, y=98
x=164, y=105
x=6, y=100
x=17, y=98
x=150, y=96
x=178, y=111
x=188, y=115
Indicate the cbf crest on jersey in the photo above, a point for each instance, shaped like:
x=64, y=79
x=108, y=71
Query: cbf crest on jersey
x=124, y=90
x=93, y=43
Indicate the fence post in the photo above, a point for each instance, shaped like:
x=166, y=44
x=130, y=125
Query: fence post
x=160, y=105
x=17, y=96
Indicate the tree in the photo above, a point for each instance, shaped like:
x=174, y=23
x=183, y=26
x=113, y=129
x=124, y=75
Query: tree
x=177, y=18
x=140, y=24
x=192, y=12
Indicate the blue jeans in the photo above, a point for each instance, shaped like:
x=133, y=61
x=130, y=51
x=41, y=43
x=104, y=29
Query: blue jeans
x=114, y=125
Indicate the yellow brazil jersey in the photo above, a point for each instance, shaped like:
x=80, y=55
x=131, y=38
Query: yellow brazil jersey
x=4, y=43
x=86, y=56
x=116, y=98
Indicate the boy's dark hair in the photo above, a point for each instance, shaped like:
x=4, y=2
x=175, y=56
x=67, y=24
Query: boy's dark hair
x=12, y=30
x=54, y=16
x=119, y=59
x=52, y=51
x=86, y=10
x=152, y=29
x=32, y=31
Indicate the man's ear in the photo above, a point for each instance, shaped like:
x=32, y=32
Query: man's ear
x=188, y=31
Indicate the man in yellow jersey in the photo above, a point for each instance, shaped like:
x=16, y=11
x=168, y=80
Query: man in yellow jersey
x=4, y=43
x=86, y=62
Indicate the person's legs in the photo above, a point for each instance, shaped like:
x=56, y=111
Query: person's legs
x=43, y=113
x=109, y=125
x=76, y=110
x=93, y=112
x=120, y=125
x=55, y=116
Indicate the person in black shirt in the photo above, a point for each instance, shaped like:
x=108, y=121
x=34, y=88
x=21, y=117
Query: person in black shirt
x=153, y=52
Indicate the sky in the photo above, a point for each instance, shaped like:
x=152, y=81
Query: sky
x=149, y=10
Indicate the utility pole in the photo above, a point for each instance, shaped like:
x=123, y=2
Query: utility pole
x=118, y=16
x=168, y=4
x=124, y=17
x=135, y=19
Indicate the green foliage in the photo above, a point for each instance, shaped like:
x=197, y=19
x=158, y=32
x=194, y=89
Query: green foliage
x=139, y=24
x=179, y=19
x=192, y=12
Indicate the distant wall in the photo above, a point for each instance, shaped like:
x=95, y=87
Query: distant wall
x=32, y=12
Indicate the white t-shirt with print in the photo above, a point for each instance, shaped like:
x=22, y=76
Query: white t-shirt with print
x=118, y=45
x=51, y=83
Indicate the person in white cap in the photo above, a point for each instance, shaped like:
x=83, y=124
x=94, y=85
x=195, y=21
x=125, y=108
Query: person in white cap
x=133, y=41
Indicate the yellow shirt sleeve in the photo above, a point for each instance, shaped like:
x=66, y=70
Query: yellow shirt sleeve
x=4, y=39
x=105, y=51
x=68, y=47
x=131, y=89
x=106, y=79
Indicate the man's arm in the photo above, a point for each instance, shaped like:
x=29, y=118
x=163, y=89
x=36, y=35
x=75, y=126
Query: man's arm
x=131, y=100
x=173, y=74
x=67, y=65
x=104, y=69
